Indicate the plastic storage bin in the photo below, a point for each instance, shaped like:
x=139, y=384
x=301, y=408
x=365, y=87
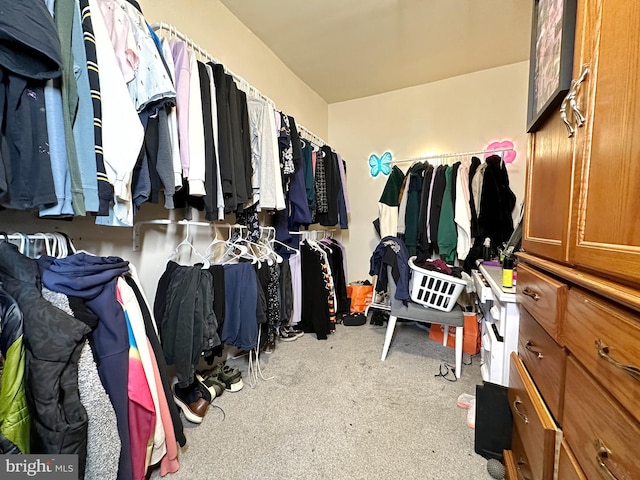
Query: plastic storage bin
x=434, y=289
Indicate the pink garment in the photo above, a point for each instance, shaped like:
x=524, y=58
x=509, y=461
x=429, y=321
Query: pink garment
x=313, y=162
x=183, y=78
x=169, y=463
x=142, y=413
x=121, y=34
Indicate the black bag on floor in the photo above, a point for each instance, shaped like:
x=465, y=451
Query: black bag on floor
x=493, y=421
x=354, y=319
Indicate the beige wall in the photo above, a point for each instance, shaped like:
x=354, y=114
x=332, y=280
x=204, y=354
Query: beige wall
x=459, y=114
x=211, y=25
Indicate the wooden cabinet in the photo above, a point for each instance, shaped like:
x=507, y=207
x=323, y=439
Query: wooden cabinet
x=545, y=360
x=601, y=434
x=606, y=234
x=606, y=340
x=532, y=423
x=548, y=191
x=581, y=191
x=568, y=467
x=581, y=239
x=544, y=298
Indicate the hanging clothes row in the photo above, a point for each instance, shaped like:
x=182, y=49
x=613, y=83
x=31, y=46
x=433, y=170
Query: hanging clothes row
x=448, y=209
x=143, y=115
x=247, y=289
x=95, y=379
x=323, y=286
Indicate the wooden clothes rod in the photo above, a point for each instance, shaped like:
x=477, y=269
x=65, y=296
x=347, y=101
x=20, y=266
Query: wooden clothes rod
x=243, y=84
x=451, y=155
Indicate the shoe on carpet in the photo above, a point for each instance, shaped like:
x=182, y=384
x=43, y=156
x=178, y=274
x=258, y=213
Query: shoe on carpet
x=215, y=386
x=289, y=334
x=229, y=376
x=191, y=401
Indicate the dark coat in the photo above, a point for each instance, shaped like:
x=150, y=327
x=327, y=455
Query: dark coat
x=496, y=202
x=29, y=55
x=53, y=341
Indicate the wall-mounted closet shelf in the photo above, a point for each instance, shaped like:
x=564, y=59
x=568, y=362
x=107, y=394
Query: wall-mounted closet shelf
x=138, y=225
x=242, y=83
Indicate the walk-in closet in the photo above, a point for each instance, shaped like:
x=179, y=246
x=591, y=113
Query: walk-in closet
x=318, y=240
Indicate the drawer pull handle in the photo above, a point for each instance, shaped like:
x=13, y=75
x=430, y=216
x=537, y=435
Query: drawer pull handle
x=531, y=293
x=531, y=347
x=519, y=464
x=602, y=454
x=516, y=403
x=603, y=351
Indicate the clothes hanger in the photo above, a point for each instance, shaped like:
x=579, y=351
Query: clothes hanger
x=69, y=242
x=186, y=242
x=24, y=244
x=63, y=251
x=235, y=250
x=251, y=253
x=45, y=241
x=288, y=247
x=269, y=253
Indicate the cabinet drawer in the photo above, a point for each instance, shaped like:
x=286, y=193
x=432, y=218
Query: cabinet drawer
x=521, y=466
x=594, y=423
x=533, y=422
x=543, y=297
x=545, y=360
x=510, y=472
x=568, y=468
x=606, y=340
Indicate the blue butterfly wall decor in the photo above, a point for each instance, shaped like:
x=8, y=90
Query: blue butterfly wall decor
x=380, y=164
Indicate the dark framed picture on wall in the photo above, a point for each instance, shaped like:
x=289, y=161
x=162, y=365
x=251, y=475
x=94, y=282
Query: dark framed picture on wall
x=551, y=62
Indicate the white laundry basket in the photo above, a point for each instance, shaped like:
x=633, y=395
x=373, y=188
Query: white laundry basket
x=434, y=289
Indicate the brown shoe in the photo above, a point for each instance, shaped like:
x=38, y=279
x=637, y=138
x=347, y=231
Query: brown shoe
x=191, y=402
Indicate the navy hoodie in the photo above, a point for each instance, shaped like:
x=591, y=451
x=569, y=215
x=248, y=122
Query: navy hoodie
x=391, y=251
x=93, y=279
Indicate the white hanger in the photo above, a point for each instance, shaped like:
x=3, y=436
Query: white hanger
x=187, y=242
x=45, y=240
x=62, y=246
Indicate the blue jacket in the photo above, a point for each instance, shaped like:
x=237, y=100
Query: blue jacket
x=391, y=251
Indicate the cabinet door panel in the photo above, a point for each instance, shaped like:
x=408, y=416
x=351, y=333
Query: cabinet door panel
x=606, y=236
x=548, y=191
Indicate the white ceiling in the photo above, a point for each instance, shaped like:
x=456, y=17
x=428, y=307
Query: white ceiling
x=345, y=49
